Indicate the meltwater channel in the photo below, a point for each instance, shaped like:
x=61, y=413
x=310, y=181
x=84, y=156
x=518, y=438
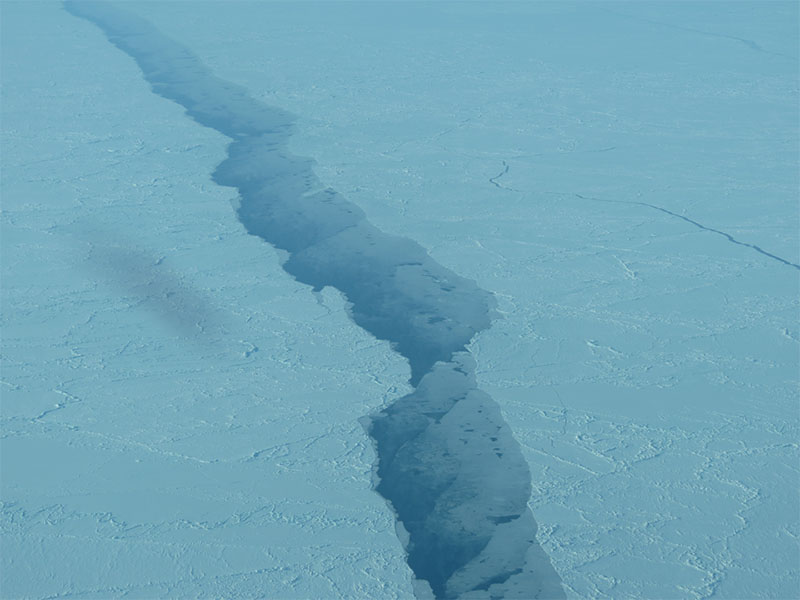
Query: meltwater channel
x=447, y=462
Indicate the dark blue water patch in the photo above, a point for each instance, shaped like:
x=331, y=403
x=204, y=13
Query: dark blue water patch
x=447, y=462
x=459, y=484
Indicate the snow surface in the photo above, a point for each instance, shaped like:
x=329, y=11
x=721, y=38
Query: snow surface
x=648, y=367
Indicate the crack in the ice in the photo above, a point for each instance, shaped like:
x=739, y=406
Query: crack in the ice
x=728, y=236
x=749, y=43
x=70, y=400
x=493, y=180
x=447, y=461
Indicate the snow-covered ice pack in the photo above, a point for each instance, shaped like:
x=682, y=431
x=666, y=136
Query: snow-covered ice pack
x=523, y=261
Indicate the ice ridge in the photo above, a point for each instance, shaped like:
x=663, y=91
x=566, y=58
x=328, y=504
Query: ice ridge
x=447, y=462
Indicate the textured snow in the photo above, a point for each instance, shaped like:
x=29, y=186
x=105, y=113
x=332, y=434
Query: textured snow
x=153, y=352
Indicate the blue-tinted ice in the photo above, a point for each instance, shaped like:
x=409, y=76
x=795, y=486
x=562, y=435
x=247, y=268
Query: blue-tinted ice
x=448, y=463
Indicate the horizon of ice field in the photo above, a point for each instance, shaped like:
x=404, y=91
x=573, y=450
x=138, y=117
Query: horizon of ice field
x=182, y=418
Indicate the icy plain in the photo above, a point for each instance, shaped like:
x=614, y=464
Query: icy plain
x=180, y=417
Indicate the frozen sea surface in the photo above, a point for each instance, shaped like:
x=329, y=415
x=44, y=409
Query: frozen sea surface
x=447, y=462
x=191, y=427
